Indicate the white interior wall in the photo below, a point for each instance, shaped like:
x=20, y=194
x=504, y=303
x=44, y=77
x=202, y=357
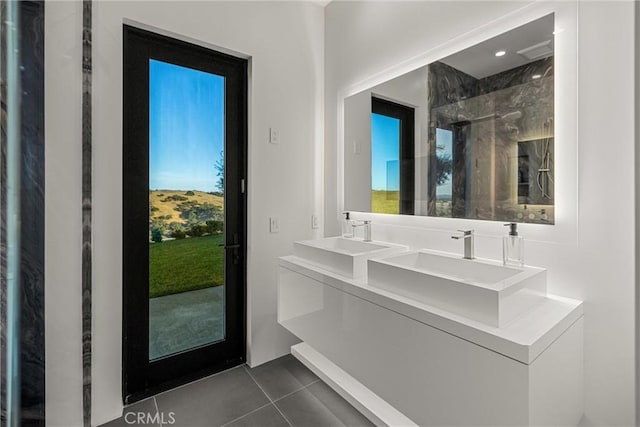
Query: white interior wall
x=357, y=185
x=365, y=38
x=63, y=222
x=637, y=194
x=285, y=41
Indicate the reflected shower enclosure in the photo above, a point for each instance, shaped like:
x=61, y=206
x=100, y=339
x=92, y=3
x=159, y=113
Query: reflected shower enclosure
x=492, y=150
x=535, y=171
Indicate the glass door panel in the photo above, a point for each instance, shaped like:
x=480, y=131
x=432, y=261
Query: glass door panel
x=186, y=208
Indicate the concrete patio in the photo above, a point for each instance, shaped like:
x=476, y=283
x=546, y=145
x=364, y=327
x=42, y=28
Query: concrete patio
x=184, y=321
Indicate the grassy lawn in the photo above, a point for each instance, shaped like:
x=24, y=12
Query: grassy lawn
x=185, y=265
x=385, y=201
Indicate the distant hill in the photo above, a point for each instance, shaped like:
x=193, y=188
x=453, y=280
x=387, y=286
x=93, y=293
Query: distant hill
x=163, y=203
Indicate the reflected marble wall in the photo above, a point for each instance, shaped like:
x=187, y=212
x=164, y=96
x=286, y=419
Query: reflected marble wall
x=488, y=117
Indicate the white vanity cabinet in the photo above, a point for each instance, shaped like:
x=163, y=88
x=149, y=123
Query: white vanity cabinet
x=400, y=361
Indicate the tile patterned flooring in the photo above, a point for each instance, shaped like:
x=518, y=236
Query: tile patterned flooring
x=282, y=392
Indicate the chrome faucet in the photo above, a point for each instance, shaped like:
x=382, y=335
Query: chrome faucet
x=366, y=226
x=467, y=235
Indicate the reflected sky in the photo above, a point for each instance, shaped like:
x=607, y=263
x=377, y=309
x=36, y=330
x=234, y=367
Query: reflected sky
x=385, y=153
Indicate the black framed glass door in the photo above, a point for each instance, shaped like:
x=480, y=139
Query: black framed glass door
x=184, y=212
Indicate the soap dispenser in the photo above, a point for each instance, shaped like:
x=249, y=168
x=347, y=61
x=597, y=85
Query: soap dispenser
x=513, y=247
x=347, y=229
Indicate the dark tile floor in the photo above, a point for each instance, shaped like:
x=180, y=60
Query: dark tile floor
x=282, y=392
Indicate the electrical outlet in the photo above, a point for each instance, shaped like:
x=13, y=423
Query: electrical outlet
x=274, y=136
x=274, y=224
x=314, y=222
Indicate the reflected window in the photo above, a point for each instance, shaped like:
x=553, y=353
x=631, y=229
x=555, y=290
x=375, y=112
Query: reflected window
x=385, y=164
x=392, y=158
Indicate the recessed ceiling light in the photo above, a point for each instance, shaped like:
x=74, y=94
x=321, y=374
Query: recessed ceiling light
x=536, y=76
x=501, y=53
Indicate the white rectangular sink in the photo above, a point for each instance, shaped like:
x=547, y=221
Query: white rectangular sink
x=482, y=290
x=347, y=257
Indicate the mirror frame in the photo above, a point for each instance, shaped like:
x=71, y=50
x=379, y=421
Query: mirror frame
x=565, y=229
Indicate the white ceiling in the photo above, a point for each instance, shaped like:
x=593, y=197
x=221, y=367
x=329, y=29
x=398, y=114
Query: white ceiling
x=480, y=61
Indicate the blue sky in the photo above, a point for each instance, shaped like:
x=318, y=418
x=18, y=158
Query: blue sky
x=186, y=127
x=385, y=153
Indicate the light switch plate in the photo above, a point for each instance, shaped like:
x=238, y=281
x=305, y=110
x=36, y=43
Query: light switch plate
x=356, y=147
x=314, y=222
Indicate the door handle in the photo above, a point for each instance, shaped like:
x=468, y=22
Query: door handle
x=235, y=256
x=235, y=246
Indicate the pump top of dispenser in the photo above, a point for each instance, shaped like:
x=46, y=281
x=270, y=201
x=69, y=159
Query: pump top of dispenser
x=513, y=230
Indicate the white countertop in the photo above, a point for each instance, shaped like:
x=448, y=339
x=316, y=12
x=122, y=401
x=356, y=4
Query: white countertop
x=523, y=339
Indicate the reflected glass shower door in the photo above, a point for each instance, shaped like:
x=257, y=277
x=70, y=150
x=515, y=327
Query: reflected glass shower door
x=444, y=172
x=186, y=208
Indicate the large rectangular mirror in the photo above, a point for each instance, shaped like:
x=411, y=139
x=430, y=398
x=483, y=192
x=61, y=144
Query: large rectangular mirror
x=469, y=136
